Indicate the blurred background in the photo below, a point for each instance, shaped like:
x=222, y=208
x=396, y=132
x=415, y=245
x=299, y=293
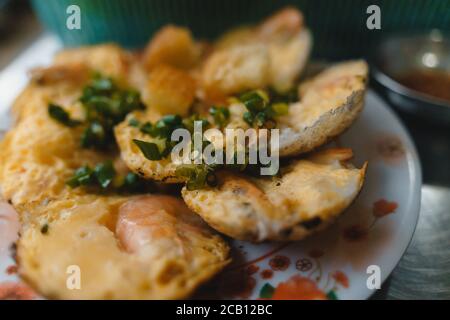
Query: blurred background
x=411, y=30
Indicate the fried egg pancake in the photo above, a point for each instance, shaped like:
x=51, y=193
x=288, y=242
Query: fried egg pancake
x=109, y=59
x=180, y=253
x=329, y=104
x=39, y=154
x=63, y=227
x=272, y=53
x=161, y=170
x=244, y=61
x=308, y=196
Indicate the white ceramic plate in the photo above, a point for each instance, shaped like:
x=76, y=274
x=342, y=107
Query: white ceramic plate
x=373, y=233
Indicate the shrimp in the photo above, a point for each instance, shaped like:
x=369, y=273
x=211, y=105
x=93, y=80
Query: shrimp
x=156, y=225
x=74, y=73
x=108, y=59
x=283, y=24
x=179, y=250
x=288, y=21
x=236, y=69
x=289, y=46
x=273, y=53
x=157, y=249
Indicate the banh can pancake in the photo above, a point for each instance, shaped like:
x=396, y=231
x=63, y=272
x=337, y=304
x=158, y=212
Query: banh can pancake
x=65, y=226
x=309, y=194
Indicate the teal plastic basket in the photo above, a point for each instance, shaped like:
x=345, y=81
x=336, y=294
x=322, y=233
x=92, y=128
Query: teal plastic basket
x=339, y=27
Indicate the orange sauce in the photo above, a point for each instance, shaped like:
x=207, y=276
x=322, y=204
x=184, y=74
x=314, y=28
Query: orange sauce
x=431, y=82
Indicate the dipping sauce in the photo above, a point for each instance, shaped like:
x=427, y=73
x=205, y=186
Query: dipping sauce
x=431, y=82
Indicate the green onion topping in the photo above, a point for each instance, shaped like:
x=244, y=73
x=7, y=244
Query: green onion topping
x=59, y=114
x=261, y=109
x=105, y=105
x=104, y=176
x=198, y=176
x=150, y=150
x=221, y=115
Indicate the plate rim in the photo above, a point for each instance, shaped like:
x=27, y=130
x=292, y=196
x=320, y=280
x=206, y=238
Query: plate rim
x=415, y=168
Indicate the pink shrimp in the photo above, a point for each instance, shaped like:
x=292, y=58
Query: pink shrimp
x=286, y=21
x=156, y=224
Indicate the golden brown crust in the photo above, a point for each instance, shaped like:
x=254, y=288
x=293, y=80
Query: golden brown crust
x=329, y=104
x=283, y=23
x=81, y=232
x=236, y=69
x=310, y=194
x=287, y=43
x=161, y=170
x=108, y=59
x=39, y=154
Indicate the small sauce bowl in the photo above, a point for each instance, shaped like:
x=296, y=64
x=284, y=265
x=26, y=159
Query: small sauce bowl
x=413, y=73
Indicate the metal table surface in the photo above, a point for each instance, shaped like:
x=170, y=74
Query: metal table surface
x=424, y=270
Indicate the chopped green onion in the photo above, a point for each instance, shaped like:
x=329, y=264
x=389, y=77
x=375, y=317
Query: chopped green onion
x=94, y=136
x=104, y=176
x=280, y=109
x=266, y=291
x=134, y=122
x=286, y=97
x=166, y=125
x=162, y=131
x=248, y=117
x=197, y=176
x=255, y=101
x=104, y=172
x=59, y=114
x=149, y=129
x=132, y=182
x=105, y=105
x=171, y=120
x=82, y=176
x=188, y=123
x=260, y=118
x=102, y=84
x=185, y=170
x=261, y=111
x=221, y=115
x=150, y=150
x=331, y=295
